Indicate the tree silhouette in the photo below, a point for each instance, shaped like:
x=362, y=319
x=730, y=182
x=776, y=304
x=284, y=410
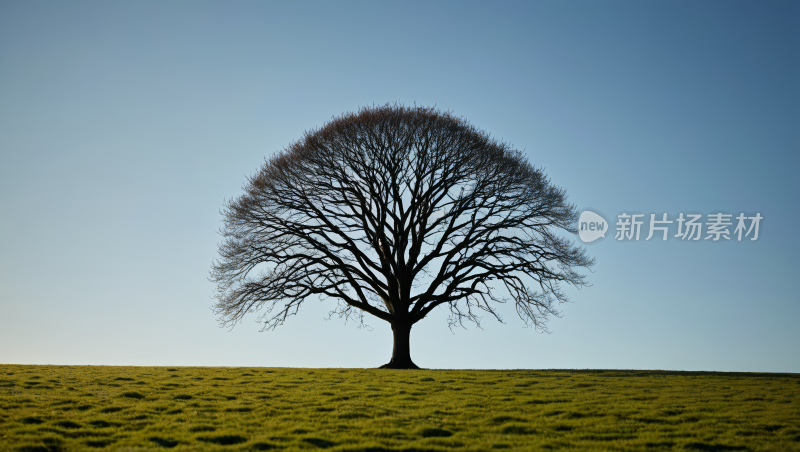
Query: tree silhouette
x=393, y=211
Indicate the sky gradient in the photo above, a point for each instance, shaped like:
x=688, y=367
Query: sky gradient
x=125, y=125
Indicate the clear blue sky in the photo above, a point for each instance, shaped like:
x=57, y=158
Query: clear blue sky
x=124, y=126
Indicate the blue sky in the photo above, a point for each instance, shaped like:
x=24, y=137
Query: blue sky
x=124, y=126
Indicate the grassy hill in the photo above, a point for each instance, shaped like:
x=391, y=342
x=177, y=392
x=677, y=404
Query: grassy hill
x=63, y=408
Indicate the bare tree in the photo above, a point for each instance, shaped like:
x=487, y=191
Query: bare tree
x=393, y=211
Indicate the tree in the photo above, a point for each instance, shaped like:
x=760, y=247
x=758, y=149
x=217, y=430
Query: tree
x=394, y=211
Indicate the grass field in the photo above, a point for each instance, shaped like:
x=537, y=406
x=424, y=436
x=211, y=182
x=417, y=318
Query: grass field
x=53, y=408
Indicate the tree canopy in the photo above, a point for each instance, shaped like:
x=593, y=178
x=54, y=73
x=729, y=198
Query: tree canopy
x=394, y=211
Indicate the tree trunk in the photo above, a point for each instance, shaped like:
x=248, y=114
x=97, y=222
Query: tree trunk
x=401, y=354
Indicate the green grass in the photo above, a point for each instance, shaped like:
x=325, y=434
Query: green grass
x=63, y=408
